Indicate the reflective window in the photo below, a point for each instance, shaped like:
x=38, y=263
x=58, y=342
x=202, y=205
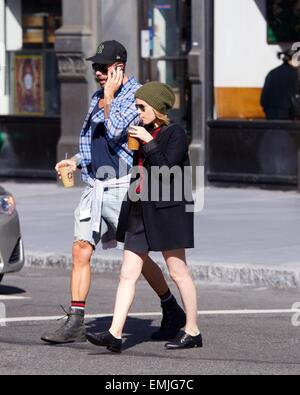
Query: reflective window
x=166, y=42
x=31, y=74
x=256, y=52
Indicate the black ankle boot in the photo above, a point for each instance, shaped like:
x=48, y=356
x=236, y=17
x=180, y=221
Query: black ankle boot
x=71, y=331
x=106, y=339
x=174, y=319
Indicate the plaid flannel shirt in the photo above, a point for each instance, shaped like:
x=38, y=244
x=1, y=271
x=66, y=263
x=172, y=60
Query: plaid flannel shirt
x=122, y=114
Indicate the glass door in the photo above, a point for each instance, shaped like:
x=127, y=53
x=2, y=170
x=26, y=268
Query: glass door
x=165, y=44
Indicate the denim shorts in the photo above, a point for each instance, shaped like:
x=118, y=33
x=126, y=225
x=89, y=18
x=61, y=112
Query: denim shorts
x=111, y=208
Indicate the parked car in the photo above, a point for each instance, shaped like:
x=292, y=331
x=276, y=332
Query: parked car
x=11, y=244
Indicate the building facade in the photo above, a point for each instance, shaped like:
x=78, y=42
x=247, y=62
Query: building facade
x=214, y=53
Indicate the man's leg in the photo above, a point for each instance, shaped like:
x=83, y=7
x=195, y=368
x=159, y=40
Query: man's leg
x=73, y=330
x=81, y=271
x=83, y=248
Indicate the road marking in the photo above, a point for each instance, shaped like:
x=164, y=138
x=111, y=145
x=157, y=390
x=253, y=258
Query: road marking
x=200, y=313
x=7, y=297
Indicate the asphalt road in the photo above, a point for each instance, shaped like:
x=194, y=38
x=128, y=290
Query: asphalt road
x=238, y=342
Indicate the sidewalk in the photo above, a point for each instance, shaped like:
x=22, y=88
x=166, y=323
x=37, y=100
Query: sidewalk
x=243, y=236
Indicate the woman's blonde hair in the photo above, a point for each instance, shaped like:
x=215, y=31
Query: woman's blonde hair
x=162, y=118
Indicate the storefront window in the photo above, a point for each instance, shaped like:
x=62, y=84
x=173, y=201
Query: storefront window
x=33, y=83
x=166, y=41
x=283, y=17
x=253, y=38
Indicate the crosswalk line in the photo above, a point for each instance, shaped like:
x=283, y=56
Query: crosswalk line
x=4, y=298
x=200, y=313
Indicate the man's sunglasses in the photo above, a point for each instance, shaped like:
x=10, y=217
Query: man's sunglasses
x=102, y=68
x=140, y=107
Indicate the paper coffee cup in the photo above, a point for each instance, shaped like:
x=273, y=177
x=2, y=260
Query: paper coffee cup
x=133, y=143
x=67, y=176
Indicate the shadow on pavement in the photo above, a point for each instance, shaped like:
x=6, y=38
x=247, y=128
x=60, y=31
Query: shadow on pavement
x=137, y=330
x=7, y=290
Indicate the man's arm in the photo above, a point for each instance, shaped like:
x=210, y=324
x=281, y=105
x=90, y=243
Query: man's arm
x=77, y=158
x=113, y=84
x=120, y=119
x=116, y=119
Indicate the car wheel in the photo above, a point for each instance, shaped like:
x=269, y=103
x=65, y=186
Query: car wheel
x=1, y=277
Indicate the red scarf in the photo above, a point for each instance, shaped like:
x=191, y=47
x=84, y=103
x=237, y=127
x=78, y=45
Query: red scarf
x=141, y=158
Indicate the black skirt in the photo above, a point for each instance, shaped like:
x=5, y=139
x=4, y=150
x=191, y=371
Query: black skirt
x=135, y=238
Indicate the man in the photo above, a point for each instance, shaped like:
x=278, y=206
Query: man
x=105, y=162
x=281, y=93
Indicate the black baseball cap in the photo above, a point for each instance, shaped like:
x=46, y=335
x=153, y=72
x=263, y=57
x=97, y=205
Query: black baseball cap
x=110, y=52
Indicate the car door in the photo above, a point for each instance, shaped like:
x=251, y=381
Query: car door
x=9, y=234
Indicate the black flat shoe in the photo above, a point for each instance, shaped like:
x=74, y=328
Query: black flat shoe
x=185, y=341
x=107, y=340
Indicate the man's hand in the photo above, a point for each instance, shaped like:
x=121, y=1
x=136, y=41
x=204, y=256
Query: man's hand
x=65, y=163
x=113, y=84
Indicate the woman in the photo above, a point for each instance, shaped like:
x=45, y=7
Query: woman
x=156, y=224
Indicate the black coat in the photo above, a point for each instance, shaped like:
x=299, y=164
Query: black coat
x=279, y=92
x=168, y=225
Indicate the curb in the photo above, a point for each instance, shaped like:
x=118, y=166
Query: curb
x=222, y=273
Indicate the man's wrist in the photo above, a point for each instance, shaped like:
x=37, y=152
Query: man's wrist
x=107, y=105
x=108, y=99
x=77, y=159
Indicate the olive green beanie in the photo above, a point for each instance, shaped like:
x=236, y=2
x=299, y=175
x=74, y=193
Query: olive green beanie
x=159, y=96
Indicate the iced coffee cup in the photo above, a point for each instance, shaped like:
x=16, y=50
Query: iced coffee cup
x=133, y=143
x=67, y=176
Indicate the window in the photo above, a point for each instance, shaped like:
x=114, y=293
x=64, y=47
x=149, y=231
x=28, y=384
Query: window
x=249, y=35
x=33, y=83
x=166, y=42
x=283, y=21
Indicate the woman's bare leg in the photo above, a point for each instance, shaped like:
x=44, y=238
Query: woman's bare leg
x=131, y=271
x=176, y=261
x=154, y=276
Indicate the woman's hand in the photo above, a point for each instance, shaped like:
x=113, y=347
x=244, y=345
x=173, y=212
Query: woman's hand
x=64, y=163
x=140, y=133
